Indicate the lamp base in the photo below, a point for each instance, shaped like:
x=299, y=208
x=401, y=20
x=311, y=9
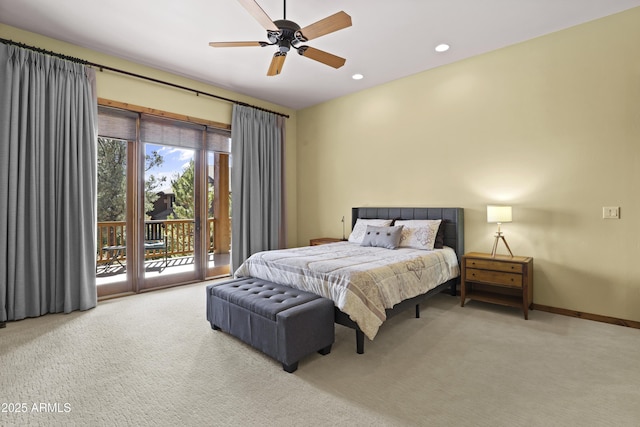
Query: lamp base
x=499, y=236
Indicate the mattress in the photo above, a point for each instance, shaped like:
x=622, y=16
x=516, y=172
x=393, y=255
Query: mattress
x=361, y=281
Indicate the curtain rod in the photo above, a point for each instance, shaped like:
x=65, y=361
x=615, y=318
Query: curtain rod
x=139, y=76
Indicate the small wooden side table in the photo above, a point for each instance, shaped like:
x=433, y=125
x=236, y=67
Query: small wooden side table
x=323, y=241
x=501, y=280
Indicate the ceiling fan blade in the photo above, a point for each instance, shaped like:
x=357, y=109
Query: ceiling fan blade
x=276, y=64
x=332, y=23
x=259, y=14
x=322, y=56
x=235, y=44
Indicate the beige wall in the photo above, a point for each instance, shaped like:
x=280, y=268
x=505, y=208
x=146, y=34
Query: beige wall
x=550, y=126
x=119, y=87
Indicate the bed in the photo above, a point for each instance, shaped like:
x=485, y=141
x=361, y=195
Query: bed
x=369, y=284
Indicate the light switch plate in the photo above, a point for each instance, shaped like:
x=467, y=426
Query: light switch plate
x=611, y=212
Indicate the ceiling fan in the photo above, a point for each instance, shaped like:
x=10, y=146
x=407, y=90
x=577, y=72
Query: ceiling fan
x=287, y=34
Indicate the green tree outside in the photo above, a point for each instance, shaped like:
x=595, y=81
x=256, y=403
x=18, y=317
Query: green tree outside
x=183, y=186
x=112, y=179
x=184, y=190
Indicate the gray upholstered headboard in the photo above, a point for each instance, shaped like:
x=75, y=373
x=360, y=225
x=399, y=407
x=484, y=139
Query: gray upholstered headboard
x=453, y=221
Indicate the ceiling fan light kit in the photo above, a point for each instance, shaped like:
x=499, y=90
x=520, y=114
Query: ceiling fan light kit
x=287, y=34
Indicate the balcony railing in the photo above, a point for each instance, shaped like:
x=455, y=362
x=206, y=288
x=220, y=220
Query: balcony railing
x=179, y=233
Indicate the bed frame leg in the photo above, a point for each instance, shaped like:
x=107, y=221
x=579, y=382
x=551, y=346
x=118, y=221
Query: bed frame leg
x=359, y=341
x=417, y=311
x=453, y=289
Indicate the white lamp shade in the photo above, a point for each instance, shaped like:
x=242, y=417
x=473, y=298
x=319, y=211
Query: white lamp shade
x=498, y=214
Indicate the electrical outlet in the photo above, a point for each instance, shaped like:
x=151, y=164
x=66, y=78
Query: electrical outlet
x=611, y=212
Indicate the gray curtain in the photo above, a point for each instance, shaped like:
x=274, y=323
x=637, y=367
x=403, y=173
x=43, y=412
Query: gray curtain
x=48, y=137
x=257, y=213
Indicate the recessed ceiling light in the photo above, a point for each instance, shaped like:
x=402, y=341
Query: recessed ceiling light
x=442, y=47
x=357, y=77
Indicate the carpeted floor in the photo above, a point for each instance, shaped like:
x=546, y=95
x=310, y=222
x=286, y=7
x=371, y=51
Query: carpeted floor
x=152, y=359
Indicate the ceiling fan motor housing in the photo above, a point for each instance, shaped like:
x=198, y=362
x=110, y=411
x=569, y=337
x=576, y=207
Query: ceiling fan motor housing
x=288, y=35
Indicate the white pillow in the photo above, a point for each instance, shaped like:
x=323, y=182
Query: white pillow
x=357, y=234
x=419, y=233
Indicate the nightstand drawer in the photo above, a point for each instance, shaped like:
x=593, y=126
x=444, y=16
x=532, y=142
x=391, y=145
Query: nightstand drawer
x=494, y=265
x=494, y=277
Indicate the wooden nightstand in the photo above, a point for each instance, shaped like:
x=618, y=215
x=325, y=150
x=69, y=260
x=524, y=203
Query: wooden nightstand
x=501, y=280
x=324, y=241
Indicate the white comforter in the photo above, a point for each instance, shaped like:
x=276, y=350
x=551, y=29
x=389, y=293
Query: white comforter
x=362, y=281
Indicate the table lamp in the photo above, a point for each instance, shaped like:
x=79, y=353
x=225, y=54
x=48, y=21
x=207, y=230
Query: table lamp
x=498, y=215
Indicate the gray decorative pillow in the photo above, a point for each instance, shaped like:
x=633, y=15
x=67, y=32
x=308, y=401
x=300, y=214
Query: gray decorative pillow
x=382, y=237
x=357, y=234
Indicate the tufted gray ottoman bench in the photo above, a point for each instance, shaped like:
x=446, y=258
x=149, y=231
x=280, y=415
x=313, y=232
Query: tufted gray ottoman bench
x=284, y=323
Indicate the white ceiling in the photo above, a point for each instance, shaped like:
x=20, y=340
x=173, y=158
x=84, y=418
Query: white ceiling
x=388, y=40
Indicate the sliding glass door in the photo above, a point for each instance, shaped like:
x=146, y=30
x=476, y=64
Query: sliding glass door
x=163, y=202
x=111, y=259
x=218, y=213
x=169, y=246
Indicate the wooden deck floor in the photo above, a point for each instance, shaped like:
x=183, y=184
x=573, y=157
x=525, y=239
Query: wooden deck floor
x=117, y=273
